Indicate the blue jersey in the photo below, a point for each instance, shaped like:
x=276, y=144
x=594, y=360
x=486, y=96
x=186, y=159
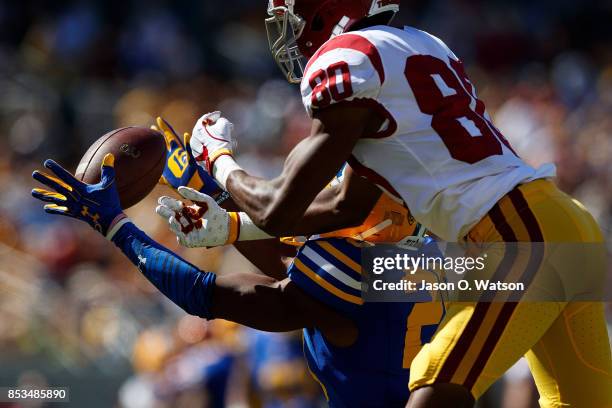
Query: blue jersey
x=276, y=362
x=374, y=371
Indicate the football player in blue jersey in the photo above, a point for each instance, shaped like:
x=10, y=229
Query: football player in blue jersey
x=360, y=352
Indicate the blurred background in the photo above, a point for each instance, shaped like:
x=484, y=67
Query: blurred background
x=74, y=313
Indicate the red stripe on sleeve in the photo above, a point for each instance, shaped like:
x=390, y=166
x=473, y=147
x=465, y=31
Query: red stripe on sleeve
x=354, y=42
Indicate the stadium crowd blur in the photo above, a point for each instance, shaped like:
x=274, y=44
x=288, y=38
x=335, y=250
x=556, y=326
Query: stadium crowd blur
x=74, y=313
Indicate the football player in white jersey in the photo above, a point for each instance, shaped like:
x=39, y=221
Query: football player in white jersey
x=399, y=107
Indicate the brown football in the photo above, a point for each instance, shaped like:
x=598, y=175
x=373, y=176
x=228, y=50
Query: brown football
x=140, y=157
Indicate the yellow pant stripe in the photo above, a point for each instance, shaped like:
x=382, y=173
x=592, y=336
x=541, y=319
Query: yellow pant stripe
x=477, y=343
x=566, y=344
x=514, y=222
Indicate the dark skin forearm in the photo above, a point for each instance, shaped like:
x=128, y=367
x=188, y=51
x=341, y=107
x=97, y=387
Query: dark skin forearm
x=341, y=206
x=266, y=255
x=277, y=206
x=328, y=211
x=267, y=304
x=274, y=303
x=273, y=205
x=255, y=300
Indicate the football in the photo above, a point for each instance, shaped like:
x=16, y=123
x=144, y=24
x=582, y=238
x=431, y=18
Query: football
x=140, y=157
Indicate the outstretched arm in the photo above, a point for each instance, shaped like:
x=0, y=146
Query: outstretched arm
x=343, y=205
x=206, y=224
x=339, y=206
x=258, y=301
x=277, y=206
x=181, y=169
x=253, y=300
x=328, y=212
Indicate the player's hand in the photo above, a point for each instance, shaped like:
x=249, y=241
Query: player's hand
x=96, y=204
x=212, y=138
x=181, y=168
x=202, y=224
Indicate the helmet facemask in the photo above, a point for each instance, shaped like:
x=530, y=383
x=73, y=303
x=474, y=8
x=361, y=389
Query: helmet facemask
x=284, y=28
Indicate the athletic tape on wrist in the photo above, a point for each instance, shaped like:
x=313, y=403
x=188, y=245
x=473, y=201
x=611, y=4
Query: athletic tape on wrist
x=249, y=231
x=222, y=168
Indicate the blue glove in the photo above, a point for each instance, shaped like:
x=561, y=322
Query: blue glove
x=96, y=204
x=181, y=168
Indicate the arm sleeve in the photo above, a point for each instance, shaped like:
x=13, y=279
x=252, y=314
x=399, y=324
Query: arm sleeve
x=348, y=67
x=329, y=270
x=181, y=282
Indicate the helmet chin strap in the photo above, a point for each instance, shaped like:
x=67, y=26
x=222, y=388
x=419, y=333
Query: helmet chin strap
x=412, y=242
x=374, y=230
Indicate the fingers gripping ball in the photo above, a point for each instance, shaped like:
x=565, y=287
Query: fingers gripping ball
x=96, y=204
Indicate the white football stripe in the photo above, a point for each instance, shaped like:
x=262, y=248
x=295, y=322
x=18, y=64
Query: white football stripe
x=331, y=269
x=81, y=168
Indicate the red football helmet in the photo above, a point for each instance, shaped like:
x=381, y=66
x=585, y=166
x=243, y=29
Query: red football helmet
x=297, y=28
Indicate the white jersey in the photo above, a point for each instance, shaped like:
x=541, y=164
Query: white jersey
x=437, y=149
